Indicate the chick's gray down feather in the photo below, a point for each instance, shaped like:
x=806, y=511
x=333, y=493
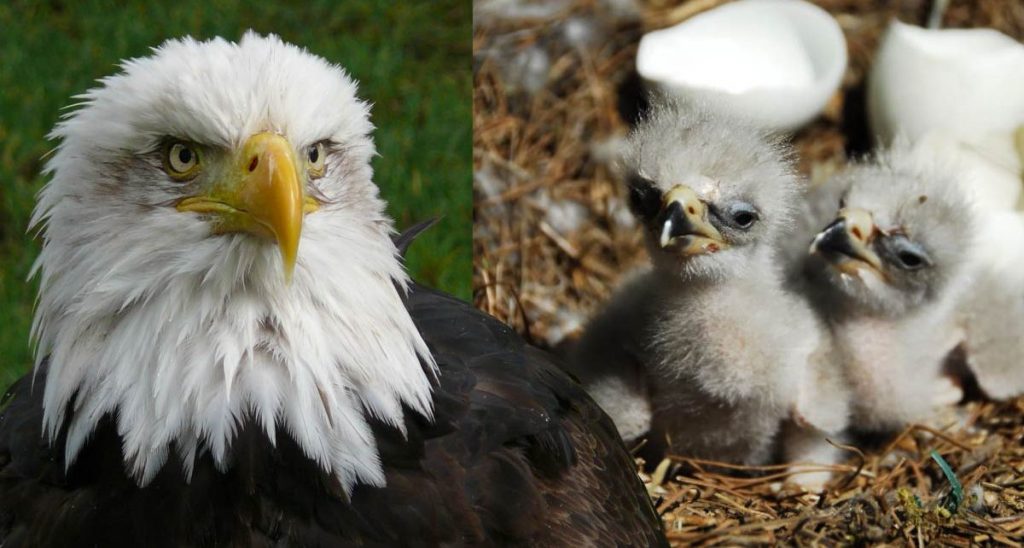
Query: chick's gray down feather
x=705, y=349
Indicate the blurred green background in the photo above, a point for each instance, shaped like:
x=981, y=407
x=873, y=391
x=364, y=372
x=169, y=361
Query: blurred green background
x=412, y=60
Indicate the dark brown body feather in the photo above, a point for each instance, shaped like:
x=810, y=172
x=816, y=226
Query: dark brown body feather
x=517, y=455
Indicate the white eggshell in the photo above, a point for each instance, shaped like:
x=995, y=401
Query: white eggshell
x=964, y=81
x=774, y=62
x=989, y=168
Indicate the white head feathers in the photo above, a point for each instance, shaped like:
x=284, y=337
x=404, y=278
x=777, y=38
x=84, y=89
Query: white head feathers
x=183, y=334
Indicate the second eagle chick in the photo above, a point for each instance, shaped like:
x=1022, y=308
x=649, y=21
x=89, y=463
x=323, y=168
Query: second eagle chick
x=885, y=274
x=705, y=350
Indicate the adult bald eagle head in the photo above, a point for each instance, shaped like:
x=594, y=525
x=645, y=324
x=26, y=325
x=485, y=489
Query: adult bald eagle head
x=210, y=230
x=229, y=348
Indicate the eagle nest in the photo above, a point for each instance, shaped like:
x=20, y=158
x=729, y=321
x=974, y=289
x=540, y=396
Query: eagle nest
x=555, y=90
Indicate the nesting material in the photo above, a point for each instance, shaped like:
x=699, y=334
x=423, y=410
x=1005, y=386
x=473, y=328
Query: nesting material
x=897, y=493
x=557, y=146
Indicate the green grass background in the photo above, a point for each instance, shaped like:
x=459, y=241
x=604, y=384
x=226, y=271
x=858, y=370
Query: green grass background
x=412, y=60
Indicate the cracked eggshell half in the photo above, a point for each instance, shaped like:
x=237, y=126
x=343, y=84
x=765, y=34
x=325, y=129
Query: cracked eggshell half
x=961, y=82
x=773, y=62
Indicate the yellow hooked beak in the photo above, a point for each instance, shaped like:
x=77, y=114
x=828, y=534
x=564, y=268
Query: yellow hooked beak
x=846, y=242
x=684, y=217
x=262, y=194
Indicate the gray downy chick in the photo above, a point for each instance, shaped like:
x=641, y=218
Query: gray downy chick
x=705, y=349
x=886, y=274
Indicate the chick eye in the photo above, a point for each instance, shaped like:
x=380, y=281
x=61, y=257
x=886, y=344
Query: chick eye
x=908, y=255
x=644, y=196
x=743, y=215
x=315, y=158
x=181, y=161
x=910, y=260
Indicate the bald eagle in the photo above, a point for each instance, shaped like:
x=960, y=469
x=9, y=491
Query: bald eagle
x=229, y=351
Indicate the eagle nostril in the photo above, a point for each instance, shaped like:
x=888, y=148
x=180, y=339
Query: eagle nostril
x=252, y=164
x=856, y=232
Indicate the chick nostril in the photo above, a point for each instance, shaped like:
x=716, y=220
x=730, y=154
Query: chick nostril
x=252, y=164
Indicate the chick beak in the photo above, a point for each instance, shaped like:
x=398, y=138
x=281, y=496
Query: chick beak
x=846, y=242
x=684, y=219
x=262, y=194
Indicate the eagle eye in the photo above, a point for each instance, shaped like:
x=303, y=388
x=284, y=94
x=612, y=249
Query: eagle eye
x=644, y=196
x=181, y=161
x=743, y=215
x=906, y=255
x=911, y=261
x=315, y=159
